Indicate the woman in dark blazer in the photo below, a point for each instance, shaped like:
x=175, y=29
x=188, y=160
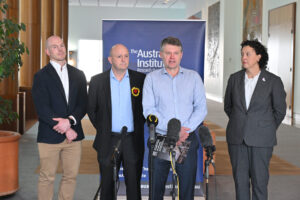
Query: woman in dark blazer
x=255, y=104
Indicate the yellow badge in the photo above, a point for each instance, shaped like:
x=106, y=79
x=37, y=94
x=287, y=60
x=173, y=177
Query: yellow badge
x=135, y=91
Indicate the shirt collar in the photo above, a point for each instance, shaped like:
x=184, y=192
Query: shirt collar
x=164, y=71
x=112, y=75
x=57, y=66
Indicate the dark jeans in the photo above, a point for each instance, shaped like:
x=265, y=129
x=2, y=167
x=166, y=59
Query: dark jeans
x=185, y=171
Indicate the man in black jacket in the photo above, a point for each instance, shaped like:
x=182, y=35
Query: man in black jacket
x=115, y=101
x=60, y=94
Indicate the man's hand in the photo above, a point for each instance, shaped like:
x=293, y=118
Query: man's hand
x=62, y=126
x=71, y=135
x=183, y=135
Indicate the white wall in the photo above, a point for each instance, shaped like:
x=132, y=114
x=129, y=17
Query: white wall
x=233, y=36
x=194, y=6
x=269, y=5
x=85, y=22
x=231, y=29
x=230, y=39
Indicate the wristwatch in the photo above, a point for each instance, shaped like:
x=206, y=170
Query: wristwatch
x=72, y=122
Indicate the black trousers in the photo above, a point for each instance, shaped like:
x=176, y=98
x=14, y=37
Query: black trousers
x=132, y=169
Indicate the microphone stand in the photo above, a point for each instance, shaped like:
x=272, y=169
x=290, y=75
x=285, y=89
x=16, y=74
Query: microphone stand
x=174, y=175
x=97, y=195
x=151, y=196
x=115, y=175
x=209, y=160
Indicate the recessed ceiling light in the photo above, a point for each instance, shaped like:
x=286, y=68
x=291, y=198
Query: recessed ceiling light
x=165, y=1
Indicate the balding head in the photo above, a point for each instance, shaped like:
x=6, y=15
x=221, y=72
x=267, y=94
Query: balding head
x=119, y=58
x=56, y=50
x=50, y=40
x=117, y=47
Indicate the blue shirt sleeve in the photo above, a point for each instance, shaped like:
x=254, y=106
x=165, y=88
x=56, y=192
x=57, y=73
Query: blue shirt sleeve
x=199, y=105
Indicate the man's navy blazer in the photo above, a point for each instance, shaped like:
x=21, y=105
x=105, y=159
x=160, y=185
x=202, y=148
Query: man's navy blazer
x=99, y=112
x=256, y=125
x=50, y=102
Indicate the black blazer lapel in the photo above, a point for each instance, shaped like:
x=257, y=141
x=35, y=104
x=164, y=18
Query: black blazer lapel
x=107, y=95
x=241, y=83
x=132, y=84
x=71, y=84
x=56, y=81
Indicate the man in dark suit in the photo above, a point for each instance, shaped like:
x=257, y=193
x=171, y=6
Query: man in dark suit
x=60, y=93
x=255, y=104
x=115, y=101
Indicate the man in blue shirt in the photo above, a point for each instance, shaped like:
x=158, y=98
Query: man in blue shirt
x=115, y=101
x=175, y=92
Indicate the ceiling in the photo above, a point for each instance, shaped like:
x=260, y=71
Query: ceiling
x=179, y=4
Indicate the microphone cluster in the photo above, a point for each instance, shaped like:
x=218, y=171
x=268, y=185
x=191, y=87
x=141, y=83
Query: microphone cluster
x=173, y=130
x=162, y=145
x=173, y=134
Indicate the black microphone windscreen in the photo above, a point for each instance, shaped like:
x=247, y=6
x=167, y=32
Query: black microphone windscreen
x=173, y=131
x=152, y=119
x=124, y=130
x=205, y=136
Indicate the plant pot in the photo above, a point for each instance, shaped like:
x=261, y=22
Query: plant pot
x=9, y=166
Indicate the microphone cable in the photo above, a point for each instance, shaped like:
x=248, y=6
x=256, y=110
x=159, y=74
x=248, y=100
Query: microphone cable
x=174, y=173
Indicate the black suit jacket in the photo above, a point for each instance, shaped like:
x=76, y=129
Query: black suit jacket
x=50, y=102
x=99, y=112
x=256, y=126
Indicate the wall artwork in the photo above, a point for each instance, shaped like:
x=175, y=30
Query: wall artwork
x=213, y=54
x=252, y=20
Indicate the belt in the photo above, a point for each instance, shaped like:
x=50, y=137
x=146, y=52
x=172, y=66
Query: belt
x=118, y=134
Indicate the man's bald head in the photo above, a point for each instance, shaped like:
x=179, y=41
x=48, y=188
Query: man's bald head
x=116, y=47
x=119, y=58
x=56, y=50
x=50, y=40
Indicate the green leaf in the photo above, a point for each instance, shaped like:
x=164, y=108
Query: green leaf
x=7, y=115
x=11, y=50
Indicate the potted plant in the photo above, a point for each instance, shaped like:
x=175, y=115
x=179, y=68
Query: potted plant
x=11, y=50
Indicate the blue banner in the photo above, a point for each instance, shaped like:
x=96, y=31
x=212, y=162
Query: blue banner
x=142, y=38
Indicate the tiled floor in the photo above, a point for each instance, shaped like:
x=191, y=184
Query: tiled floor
x=220, y=187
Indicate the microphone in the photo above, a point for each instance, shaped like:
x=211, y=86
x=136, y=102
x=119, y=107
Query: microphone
x=174, y=126
x=205, y=136
x=206, y=140
x=207, y=143
x=117, y=146
x=152, y=122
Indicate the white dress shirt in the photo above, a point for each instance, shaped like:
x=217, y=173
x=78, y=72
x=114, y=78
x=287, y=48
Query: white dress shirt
x=250, y=84
x=62, y=72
